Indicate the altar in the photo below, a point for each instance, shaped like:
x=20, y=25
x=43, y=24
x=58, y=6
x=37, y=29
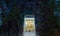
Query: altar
x=29, y=26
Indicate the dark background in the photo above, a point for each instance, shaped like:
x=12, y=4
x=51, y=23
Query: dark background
x=46, y=12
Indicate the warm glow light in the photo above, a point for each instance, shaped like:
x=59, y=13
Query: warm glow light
x=29, y=25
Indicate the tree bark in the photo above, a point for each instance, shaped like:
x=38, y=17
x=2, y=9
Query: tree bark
x=47, y=16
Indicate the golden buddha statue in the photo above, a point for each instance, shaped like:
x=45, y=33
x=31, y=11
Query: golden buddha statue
x=29, y=26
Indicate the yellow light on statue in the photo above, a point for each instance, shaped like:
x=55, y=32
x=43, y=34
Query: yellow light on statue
x=29, y=25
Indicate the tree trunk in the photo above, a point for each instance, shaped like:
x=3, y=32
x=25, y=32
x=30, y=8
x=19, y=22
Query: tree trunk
x=47, y=16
